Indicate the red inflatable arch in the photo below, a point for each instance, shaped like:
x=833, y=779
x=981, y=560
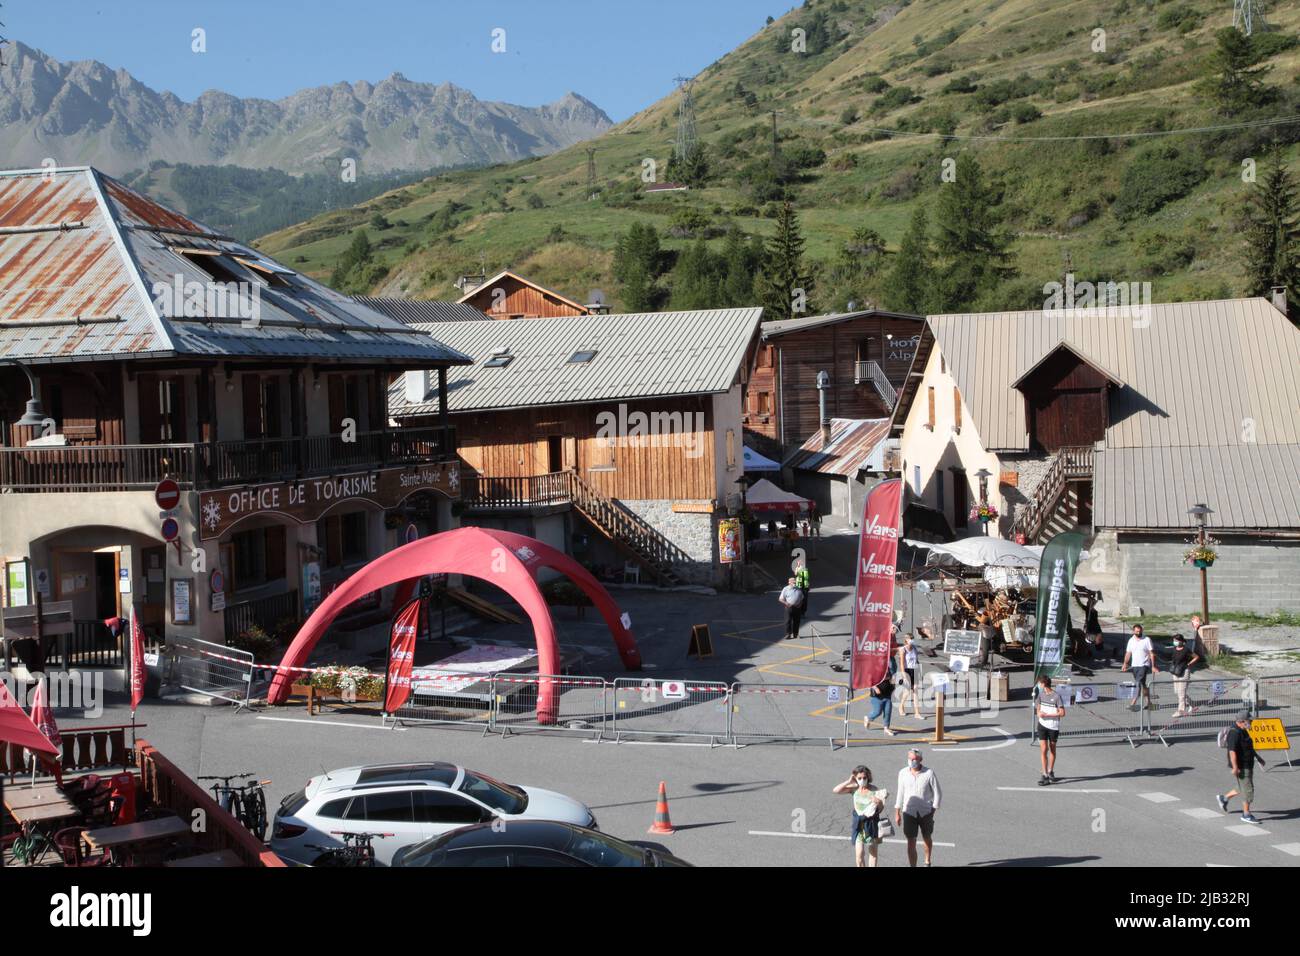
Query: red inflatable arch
x=508, y=560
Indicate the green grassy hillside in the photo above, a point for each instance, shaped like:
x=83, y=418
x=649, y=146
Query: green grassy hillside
x=864, y=116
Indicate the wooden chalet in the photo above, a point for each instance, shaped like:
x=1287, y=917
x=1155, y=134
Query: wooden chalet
x=510, y=296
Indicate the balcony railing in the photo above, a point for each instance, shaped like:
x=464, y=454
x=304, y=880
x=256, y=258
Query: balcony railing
x=873, y=373
x=214, y=464
x=482, y=492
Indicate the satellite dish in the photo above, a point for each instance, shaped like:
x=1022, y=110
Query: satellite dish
x=925, y=587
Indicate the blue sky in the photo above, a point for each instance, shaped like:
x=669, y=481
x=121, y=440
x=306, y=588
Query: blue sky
x=620, y=54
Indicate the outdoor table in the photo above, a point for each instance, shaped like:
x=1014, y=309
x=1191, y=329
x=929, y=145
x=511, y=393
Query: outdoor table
x=36, y=808
x=215, y=858
x=130, y=835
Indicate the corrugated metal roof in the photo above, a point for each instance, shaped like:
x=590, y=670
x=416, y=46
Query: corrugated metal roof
x=1210, y=408
x=1195, y=372
x=852, y=442
x=784, y=326
x=638, y=355
x=86, y=291
x=415, y=311
x=1247, y=486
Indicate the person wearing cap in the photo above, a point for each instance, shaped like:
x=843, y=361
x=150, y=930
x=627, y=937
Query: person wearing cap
x=1241, y=760
x=915, y=804
x=1183, y=660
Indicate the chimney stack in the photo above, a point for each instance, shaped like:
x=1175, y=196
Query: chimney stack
x=1279, y=298
x=823, y=383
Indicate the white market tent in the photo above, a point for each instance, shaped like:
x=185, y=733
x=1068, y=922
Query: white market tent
x=982, y=551
x=756, y=462
x=765, y=496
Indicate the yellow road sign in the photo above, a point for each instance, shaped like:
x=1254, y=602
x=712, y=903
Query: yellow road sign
x=1267, y=733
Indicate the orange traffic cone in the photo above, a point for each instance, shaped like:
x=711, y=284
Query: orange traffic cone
x=662, y=824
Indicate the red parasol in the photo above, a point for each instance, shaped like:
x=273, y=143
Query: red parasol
x=17, y=728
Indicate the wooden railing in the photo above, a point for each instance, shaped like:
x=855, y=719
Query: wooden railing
x=214, y=464
x=168, y=787
x=1072, y=463
x=265, y=612
x=872, y=372
x=484, y=492
x=628, y=529
x=84, y=748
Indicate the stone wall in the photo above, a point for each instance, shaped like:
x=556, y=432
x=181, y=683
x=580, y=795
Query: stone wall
x=1251, y=574
x=694, y=533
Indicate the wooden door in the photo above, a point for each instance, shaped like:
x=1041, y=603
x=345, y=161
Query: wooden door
x=960, y=499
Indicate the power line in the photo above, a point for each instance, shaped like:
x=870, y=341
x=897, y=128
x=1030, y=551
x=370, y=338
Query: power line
x=1247, y=15
x=685, y=118
x=591, y=172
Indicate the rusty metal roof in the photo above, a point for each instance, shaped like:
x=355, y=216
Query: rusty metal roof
x=84, y=261
x=852, y=445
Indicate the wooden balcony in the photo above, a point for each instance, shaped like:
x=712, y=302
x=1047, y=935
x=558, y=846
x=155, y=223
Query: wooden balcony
x=215, y=464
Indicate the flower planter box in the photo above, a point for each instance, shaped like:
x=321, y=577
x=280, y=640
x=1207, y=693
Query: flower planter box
x=316, y=696
x=1204, y=562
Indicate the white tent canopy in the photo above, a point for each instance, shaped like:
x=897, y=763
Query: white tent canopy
x=765, y=496
x=756, y=462
x=981, y=551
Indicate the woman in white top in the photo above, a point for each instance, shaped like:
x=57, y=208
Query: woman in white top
x=868, y=804
x=908, y=667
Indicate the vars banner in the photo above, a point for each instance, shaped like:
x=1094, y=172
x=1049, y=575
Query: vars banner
x=873, y=599
x=401, y=657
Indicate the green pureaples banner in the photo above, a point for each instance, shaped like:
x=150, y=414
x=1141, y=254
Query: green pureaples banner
x=1055, y=583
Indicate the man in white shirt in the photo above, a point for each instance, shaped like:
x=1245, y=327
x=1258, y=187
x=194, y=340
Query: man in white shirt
x=1142, y=657
x=792, y=599
x=1050, y=708
x=916, y=803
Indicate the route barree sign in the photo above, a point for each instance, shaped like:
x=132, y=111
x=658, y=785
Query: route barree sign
x=309, y=498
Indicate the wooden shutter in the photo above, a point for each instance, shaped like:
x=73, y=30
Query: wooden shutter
x=146, y=387
x=731, y=448
x=956, y=408
x=930, y=424
x=338, y=403
x=275, y=560
x=271, y=411
x=252, y=406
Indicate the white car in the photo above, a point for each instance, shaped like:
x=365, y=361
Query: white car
x=411, y=802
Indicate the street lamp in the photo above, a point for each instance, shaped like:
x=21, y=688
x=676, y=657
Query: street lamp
x=1201, y=512
x=34, y=415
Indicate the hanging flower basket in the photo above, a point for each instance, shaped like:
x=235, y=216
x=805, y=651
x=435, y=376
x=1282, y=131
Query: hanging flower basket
x=984, y=512
x=1201, y=553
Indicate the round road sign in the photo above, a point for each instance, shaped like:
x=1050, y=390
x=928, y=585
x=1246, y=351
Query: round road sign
x=167, y=494
x=171, y=529
x=217, y=581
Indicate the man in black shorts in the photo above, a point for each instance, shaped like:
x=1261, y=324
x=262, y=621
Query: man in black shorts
x=1049, y=709
x=916, y=803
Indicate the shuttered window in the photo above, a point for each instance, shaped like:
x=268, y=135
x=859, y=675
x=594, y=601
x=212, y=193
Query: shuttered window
x=956, y=409
x=930, y=423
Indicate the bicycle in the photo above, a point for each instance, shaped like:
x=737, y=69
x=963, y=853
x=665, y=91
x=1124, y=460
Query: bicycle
x=245, y=802
x=355, y=851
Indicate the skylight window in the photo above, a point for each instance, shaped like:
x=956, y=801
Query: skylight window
x=578, y=358
x=500, y=359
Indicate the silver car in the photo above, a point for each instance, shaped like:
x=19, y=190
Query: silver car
x=407, y=803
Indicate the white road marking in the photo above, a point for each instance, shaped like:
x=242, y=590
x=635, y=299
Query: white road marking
x=1226, y=866
x=962, y=748
x=827, y=836
x=1247, y=829
x=1159, y=797
x=328, y=723
x=1292, y=848
x=1202, y=813
x=1055, y=788
x=653, y=743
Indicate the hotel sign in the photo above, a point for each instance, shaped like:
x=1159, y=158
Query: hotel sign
x=308, y=499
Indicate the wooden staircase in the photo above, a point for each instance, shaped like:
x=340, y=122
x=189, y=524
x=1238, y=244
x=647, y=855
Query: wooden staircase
x=631, y=533
x=1054, y=502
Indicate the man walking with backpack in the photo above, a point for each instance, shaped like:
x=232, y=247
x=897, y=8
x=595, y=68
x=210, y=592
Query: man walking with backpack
x=1241, y=759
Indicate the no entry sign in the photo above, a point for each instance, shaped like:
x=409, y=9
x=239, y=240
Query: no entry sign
x=167, y=494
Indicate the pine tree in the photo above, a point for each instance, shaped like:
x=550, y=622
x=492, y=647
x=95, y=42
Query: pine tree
x=741, y=261
x=1273, y=233
x=639, y=294
x=784, y=276
x=695, y=278
x=638, y=248
x=1234, y=81
x=971, y=254
x=910, y=283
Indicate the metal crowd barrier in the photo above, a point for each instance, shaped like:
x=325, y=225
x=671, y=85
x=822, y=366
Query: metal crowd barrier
x=1099, y=709
x=213, y=670
x=448, y=697
x=1280, y=697
x=583, y=703
x=1212, y=703
x=789, y=712
x=652, y=708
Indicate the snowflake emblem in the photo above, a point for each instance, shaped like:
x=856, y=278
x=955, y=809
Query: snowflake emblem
x=453, y=477
x=212, y=513
x=525, y=553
